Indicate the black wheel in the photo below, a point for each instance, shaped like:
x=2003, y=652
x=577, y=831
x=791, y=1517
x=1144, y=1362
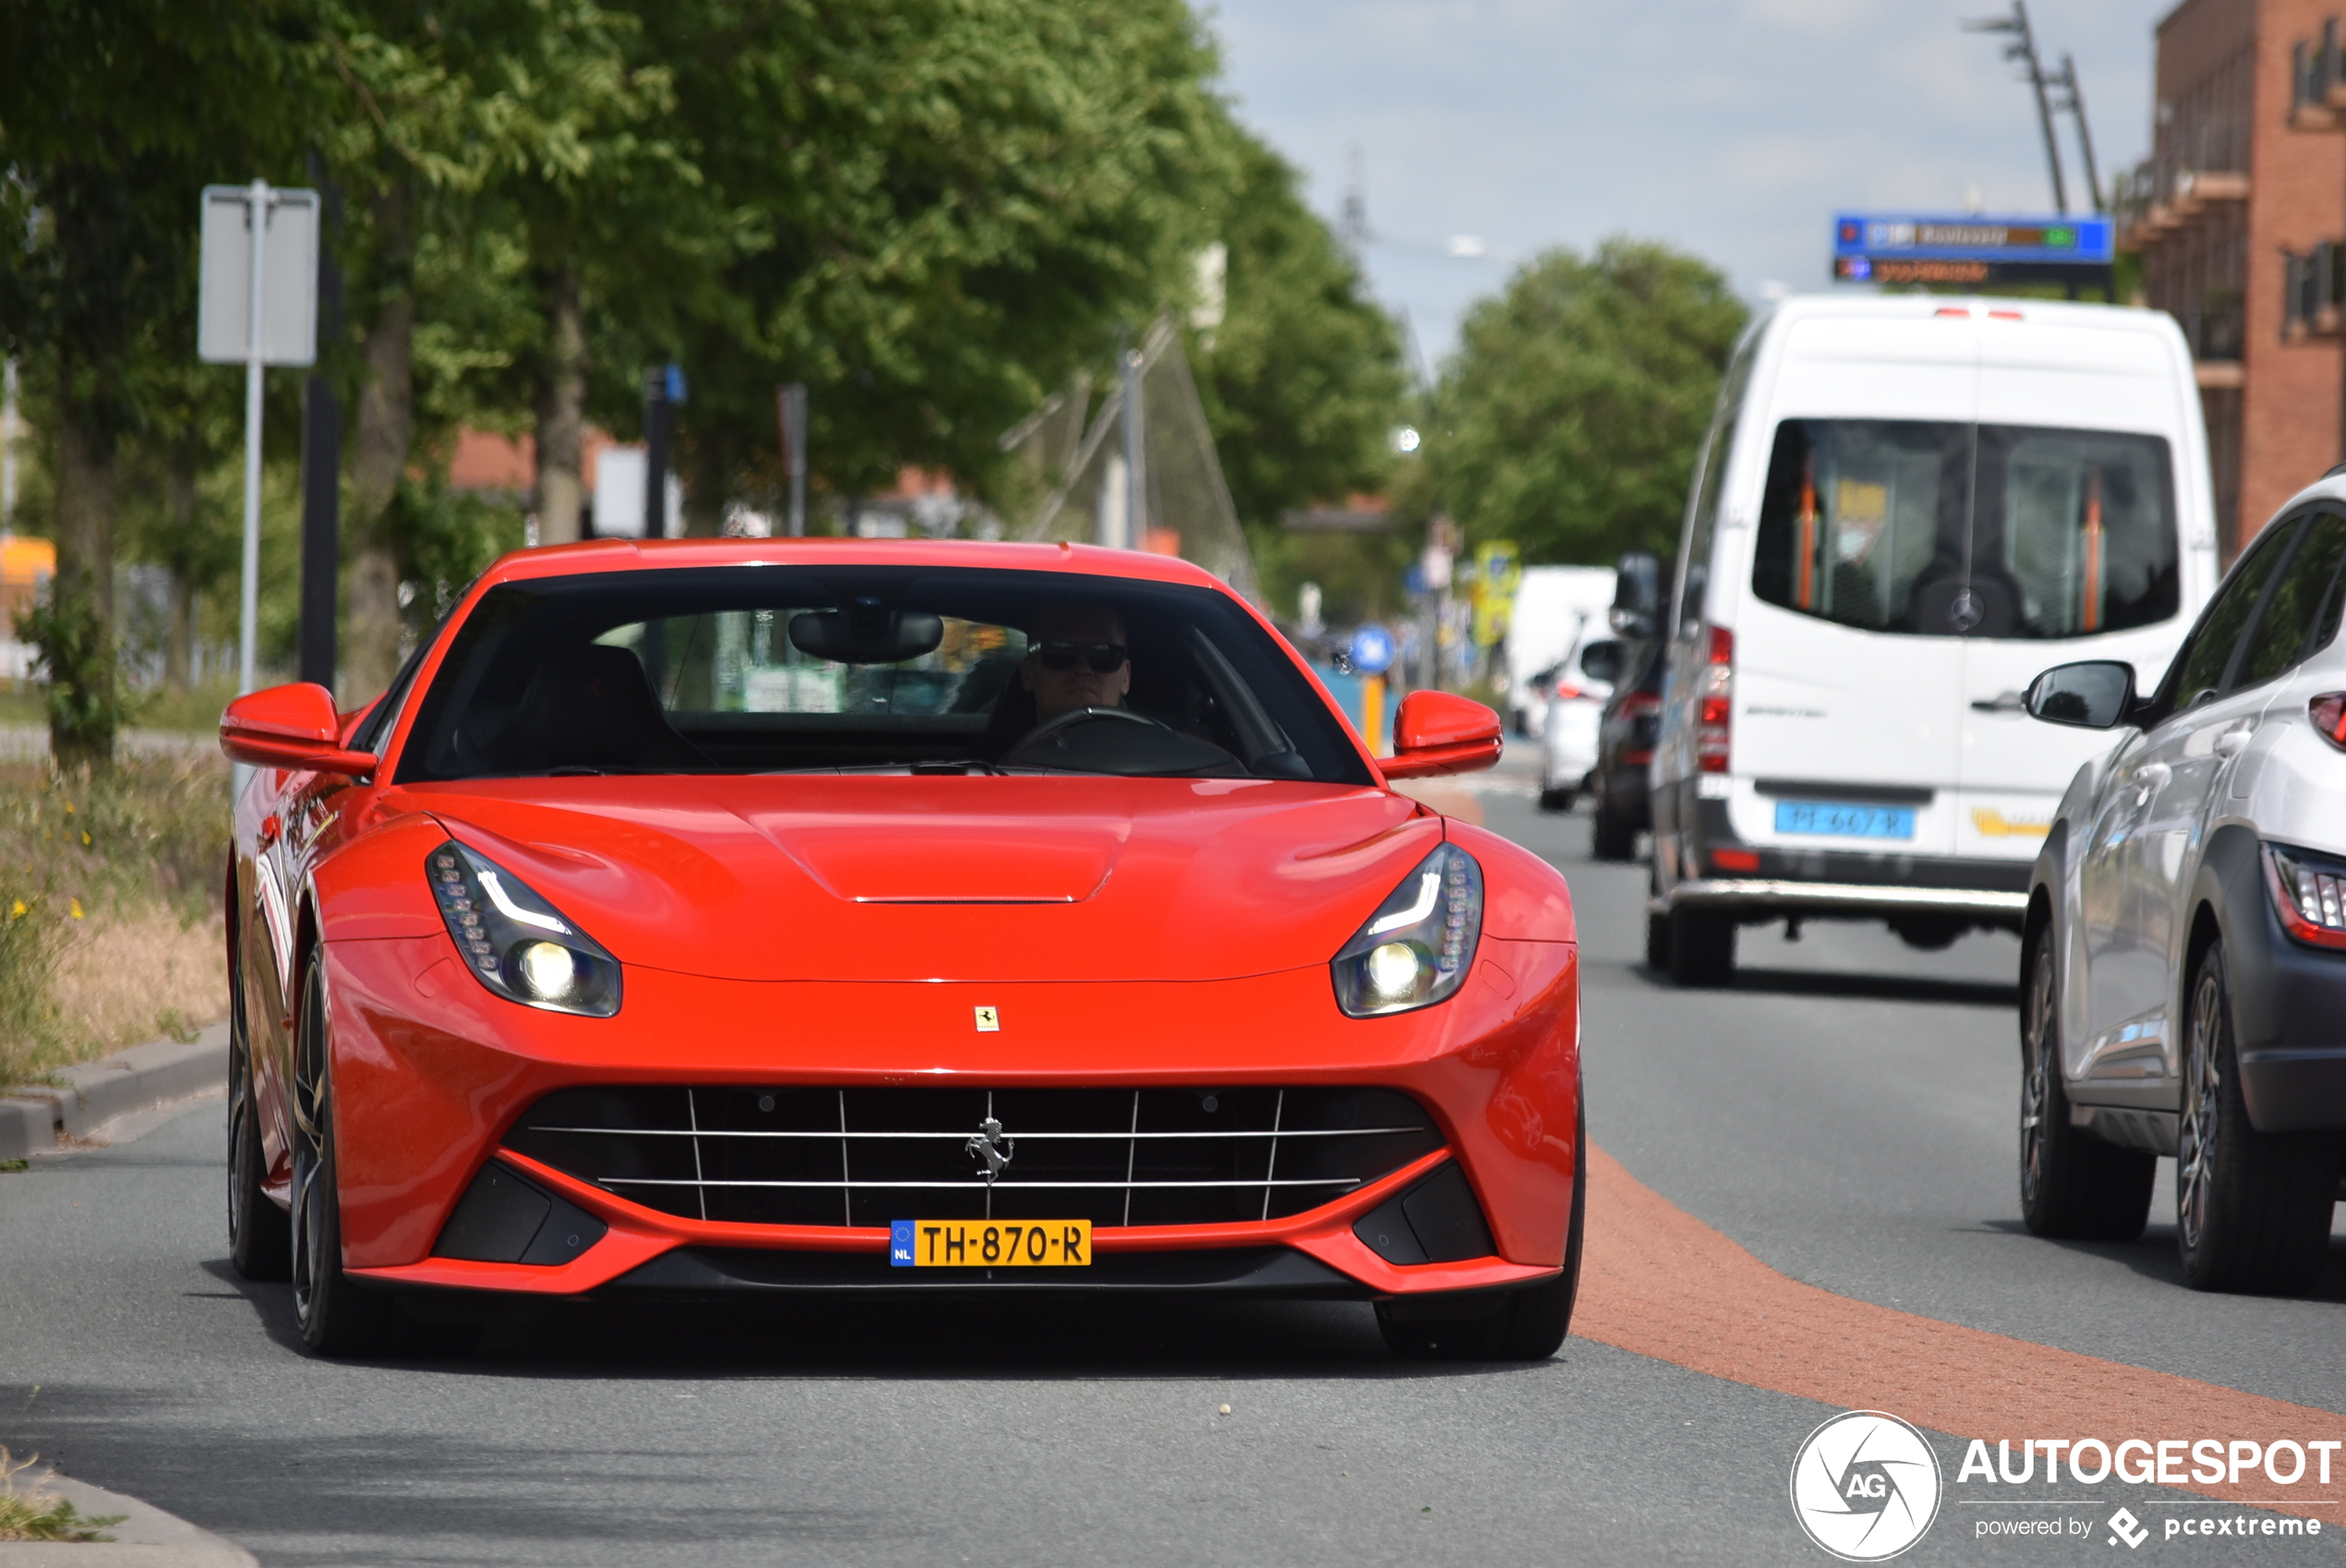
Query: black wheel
x=2251, y=1210
x=336, y=1316
x=1525, y=1323
x=1555, y=800
x=260, y=1238
x=2071, y=1184
x=1703, y=947
x=1610, y=838
x=1657, y=942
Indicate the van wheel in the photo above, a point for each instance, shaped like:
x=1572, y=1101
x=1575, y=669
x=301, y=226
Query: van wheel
x=1610, y=838
x=2252, y=1210
x=1555, y=800
x=1703, y=947
x=2071, y=1184
x=1657, y=942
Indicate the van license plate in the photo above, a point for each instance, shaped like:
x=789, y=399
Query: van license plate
x=1843, y=819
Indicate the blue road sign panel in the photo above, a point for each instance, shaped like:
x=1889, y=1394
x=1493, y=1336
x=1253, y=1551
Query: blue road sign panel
x=1901, y=248
x=1371, y=650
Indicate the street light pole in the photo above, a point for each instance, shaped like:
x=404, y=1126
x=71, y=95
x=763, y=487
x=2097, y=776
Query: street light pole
x=2025, y=51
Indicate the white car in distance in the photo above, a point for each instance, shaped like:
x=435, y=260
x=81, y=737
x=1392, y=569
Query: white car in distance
x=1580, y=687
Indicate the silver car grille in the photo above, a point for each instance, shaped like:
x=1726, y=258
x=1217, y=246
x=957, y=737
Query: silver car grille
x=864, y=1157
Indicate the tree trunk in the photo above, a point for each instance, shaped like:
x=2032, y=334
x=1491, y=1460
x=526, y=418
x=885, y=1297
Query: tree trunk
x=78, y=649
x=178, y=649
x=386, y=428
x=561, y=413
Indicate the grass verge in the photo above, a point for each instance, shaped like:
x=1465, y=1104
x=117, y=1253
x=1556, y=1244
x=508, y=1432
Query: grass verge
x=110, y=921
x=31, y=1514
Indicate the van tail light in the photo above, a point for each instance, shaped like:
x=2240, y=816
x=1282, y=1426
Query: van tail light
x=2310, y=895
x=1715, y=714
x=2328, y=712
x=1567, y=690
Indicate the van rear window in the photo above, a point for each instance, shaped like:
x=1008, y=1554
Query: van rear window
x=1946, y=530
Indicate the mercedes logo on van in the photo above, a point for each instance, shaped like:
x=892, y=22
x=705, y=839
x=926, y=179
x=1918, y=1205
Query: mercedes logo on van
x=1965, y=613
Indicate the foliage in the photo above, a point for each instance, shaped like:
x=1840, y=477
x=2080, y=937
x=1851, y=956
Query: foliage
x=1568, y=421
x=151, y=832
x=84, y=684
x=31, y=1516
x=1302, y=379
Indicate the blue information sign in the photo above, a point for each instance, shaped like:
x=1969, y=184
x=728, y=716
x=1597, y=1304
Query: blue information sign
x=1920, y=247
x=1371, y=650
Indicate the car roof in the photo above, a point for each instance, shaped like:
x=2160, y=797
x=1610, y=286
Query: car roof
x=632, y=555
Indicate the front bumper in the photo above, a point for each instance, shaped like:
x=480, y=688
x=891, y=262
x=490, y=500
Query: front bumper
x=1759, y=893
x=431, y=1071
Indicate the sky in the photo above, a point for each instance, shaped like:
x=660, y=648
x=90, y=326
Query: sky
x=1731, y=128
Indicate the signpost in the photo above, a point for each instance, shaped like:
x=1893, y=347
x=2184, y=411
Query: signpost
x=1970, y=250
x=257, y=305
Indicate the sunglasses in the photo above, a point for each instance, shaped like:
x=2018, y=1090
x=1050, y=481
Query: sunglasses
x=1106, y=659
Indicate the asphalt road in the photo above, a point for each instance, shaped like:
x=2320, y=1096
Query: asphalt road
x=1845, y=1113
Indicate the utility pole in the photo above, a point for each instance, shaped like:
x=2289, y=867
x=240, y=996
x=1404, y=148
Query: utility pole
x=663, y=389
x=2023, y=49
x=793, y=410
x=1135, y=456
x=2074, y=99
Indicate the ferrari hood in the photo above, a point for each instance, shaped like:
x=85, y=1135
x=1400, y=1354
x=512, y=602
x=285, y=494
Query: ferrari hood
x=949, y=878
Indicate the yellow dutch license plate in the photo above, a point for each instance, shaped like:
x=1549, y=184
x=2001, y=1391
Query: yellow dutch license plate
x=990, y=1243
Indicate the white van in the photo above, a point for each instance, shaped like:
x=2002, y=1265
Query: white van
x=1905, y=508
x=1556, y=609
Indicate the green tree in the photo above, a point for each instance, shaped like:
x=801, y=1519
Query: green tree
x=1302, y=379
x=113, y=114
x=1569, y=417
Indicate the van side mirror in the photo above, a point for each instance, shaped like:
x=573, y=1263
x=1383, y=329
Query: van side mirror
x=1437, y=732
x=2093, y=695
x=291, y=727
x=1636, y=595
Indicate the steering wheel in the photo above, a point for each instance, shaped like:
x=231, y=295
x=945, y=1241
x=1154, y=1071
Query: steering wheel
x=1074, y=716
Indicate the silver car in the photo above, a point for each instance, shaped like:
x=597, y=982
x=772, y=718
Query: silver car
x=2184, y=967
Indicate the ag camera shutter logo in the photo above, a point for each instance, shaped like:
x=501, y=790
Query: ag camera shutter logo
x=1866, y=1486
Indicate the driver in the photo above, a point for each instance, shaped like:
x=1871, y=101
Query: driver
x=1075, y=657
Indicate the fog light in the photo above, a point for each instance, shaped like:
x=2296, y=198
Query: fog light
x=548, y=971
x=1392, y=969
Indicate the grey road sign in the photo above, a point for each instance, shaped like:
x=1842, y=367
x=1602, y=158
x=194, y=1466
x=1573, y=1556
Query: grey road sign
x=288, y=284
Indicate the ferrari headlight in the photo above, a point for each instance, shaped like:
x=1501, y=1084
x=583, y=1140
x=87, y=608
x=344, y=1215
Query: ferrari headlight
x=1416, y=949
x=514, y=942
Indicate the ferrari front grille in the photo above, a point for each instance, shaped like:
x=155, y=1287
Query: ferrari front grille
x=868, y=1157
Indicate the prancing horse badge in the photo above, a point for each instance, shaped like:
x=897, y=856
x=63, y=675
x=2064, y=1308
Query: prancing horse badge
x=989, y=1021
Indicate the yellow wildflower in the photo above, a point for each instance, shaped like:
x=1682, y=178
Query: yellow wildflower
x=76, y=907
x=17, y=910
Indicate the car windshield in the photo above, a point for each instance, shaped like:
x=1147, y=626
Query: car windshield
x=763, y=668
x=1969, y=530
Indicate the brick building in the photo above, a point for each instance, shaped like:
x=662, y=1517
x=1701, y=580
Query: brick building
x=2237, y=217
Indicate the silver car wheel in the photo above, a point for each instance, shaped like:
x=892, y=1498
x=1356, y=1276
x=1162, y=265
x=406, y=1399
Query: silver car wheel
x=2195, y=1145
x=312, y=1111
x=2035, y=1082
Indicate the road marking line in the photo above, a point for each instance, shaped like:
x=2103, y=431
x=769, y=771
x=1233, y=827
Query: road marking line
x=1659, y=1283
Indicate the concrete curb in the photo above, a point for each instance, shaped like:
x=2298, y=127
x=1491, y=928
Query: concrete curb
x=96, y=1092
x=148, y=1538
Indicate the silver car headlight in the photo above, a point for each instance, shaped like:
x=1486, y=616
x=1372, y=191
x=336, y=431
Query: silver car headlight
x=514, y=942
x=1416, y=949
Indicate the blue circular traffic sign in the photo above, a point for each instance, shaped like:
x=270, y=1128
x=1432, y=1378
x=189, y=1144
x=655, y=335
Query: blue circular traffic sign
x=1371, y=650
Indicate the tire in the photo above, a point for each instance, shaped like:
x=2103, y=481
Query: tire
x=2073, y=1184
x=2251, y=1210
x=1702, y=947
x=1555, y=800
x=1658, y=943
x=1609, y=837
x=259, y=1236
x=1525, y=1323
x=335, y=1316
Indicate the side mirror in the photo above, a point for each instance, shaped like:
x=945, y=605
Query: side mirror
x=2094, y=694
x=1601, y=661
x=293, y=727
x=1636, y=595
x=1437, y=732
